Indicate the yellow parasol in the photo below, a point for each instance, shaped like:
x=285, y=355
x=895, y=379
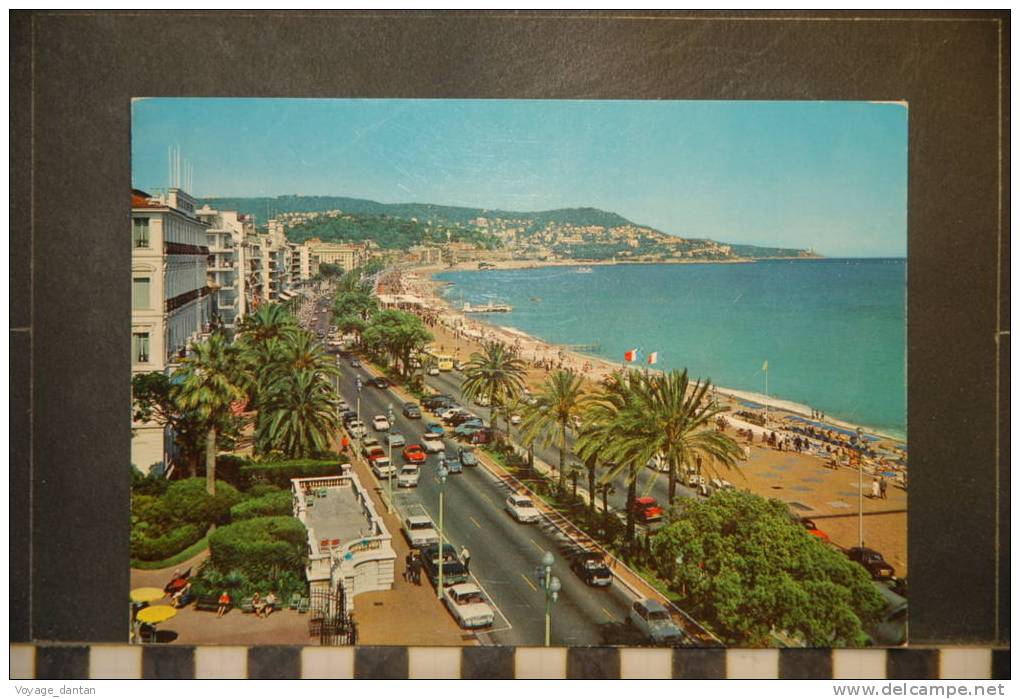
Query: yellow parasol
x=156, y=614
x=147, y=594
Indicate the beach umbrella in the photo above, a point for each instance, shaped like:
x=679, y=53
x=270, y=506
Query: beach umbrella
x=147, y=594
x=156, y=614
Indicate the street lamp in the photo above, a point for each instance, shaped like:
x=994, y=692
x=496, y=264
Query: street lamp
x=357, y=382
x=551, y=585
x=441, y=474
x=389, y=444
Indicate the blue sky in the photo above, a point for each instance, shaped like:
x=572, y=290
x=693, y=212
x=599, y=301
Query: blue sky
x=825, y=175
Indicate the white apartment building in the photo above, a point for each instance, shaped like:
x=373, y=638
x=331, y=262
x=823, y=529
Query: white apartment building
x=346, y=255
x=171, y=304
x=301, y=263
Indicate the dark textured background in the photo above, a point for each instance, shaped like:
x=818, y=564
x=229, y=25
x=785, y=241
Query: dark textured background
x=72, y=77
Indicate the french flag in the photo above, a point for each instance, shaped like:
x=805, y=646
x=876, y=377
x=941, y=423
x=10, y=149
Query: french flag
x=630, y=355
x=653, y=357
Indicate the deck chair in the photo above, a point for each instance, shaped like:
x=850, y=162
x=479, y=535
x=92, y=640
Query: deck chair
x=305, y=605
x=295, y=600
x=246, y=606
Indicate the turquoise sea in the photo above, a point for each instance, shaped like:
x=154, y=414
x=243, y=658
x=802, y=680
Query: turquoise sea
x=833, y=331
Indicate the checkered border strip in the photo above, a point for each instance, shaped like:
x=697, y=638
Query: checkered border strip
x=65, y=662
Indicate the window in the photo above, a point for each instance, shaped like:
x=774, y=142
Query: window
x=140, y=347
x=140, y=293
x=140, y=232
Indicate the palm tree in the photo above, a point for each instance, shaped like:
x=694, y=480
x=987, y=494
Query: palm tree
x=679, y=424
x=495, y=373
x=298, y=417
x=271, y=321
x=207, y=382
x=559, y=403
x=302, y=351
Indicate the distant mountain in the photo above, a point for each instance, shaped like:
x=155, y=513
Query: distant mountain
x=581, y=233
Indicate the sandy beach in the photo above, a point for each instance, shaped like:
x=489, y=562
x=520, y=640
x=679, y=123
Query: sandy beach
x=821, y=483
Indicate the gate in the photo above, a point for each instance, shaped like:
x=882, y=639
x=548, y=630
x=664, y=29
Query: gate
x=329, y=619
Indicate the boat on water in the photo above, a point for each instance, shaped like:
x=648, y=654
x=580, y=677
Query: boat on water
x=487, y=308
x=583, y=270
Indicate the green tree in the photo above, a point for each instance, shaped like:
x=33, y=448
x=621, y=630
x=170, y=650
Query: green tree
x=742, y=564
x=495, y=373
x=207, y=383
x=398, y=334
x=298, y=417
x=558, y=403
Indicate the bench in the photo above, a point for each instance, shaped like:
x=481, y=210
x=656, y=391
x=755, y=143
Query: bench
x=209, y=603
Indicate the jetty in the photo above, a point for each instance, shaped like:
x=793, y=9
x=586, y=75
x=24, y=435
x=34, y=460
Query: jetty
x=487, y=308
x=590, y=347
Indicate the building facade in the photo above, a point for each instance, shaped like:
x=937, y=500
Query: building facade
x=346, y=255
x=171, y=302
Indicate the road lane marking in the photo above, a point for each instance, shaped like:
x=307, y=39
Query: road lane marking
x=475, y=521
x=486, y=498
x=530, y=584
x=609, y=614
x=536, y=545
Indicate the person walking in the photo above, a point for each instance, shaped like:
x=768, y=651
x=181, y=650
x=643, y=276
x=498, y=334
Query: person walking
x=416, y=570
x=875, y=490
x=882, y=485
x=465, y=556
x=408, y=566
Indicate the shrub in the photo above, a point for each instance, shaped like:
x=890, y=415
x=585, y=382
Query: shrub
x=155, y=548
x=256, y=546
x=151, y=484
x=187, y=501
x=279, y=473
x=210, y=580
x=276, y=502
x=260, y=489
x=228, y=468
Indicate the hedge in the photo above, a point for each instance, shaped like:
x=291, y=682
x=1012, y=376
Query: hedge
x=256, y=547
x=146, y=548
x=277, y=502
x=188, y=501
x=260, y=489
x=279, y=473
x=228, y=468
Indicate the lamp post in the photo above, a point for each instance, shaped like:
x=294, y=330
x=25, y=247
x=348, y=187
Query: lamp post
x=860, y=491
x=551, y=586
x=441, y=473
x=357, y=382
x=389, y=445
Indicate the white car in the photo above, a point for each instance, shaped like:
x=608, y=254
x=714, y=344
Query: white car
x=342, y=405
x=420, y=531
x=395, y=439
x=468, y=606
x=522, y=508
x=652, y=619
x=380, y=423
x=357, y=429
x=368, y=444
x=432, y=443
x=515, y=419
x=408, y=476
x=432, y=371
x=449, y=412
x=382, y=467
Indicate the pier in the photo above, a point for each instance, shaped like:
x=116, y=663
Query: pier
x=488, y=308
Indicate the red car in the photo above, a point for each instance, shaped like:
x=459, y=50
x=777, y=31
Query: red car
x=646, y=509
x=414, y=454
x=813, y=530
x=374, y=453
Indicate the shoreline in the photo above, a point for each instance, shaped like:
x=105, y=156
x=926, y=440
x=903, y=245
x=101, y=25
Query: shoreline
x=431, y=289
x=495, y=265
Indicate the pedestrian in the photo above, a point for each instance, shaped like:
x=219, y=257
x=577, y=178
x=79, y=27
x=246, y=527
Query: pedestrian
x=882, y=485
x=416, y=570
x=408, y=565
x=875, y=489
x=465, y=556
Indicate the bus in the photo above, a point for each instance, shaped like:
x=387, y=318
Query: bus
x=444, y=362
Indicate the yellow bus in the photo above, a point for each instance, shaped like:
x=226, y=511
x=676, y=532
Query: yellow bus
x=443, y=362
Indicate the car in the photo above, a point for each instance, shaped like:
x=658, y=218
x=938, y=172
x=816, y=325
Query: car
x=413, y=453
x=357, y=428
x=448, y=412
x=348, y=416
x=432, y=371
x=591, y=567
x=482, y=436
x=373, y=453
x=454, y=571
x=382, y=467
x=412, y=411
x=646, y=510
x=368, y=445
x=461, y=418
x=432, y=401
x=320, y=334
x=459, y=366
x=522, y=508
x=380, y=423
x=813, y=529
x=515, y=419
x=356, y=363
x=468, y=606
x=434, y=428
x=395, y=439
x=872, y=561
x=654, y=621
x=453, y=464
x=432, y=443
x=468, y=457
x=380, y=382
x=342, y=406
x=420, y=530
x=467, y=429
x=408, y=475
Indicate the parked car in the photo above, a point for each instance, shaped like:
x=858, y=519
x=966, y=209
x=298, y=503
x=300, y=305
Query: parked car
x=468, y=456
x=465, y=430
x=420, y=530
x=482, y=436
x=872, y=561
x=454, y=571
x=357, y=428
x=380, y=382
x=412, y=411
x=431, y=402
x=373, y=453
x=453, y=464
x=348, y=416
x=591, y=567
x=395, y=439
x=522, y=508
x=380, y=423
x=434, y=428
x=448, y=412
x=652, y=619
x=461, y=418
x=413, y=453
x=342, y=405
x=408, y=475
x=368, y=445
x=432, y=443
x=356, y=363
x=646, y=510
x=382, y=467
x=468, y=605
x=812, y=529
